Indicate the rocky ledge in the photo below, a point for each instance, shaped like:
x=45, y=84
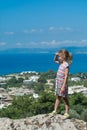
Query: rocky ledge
x=42, y=122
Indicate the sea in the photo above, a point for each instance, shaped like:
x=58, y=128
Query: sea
x=39, y=62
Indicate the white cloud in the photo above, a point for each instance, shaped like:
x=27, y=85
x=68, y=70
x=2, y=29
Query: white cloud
x=83, y=41
x=68, y=42
x=30, y=31
x=61, y=29
x=2, y=43
x=73, y=43
x=68, y=29
x=51, y=44
x=44, y=43
x=26, y=31
x=19, y=44
x=52, y=28
x=55, y=43
x=9, y=33
x=33, y=30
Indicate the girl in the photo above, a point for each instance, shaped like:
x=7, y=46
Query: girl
x=64, y=58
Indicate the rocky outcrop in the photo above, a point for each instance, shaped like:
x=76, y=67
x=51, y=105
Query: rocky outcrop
x=42, y=122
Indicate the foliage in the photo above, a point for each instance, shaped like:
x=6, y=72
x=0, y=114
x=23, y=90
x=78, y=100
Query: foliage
x=78, y=103
x=74, y=114
x=78, y=98
x=24, y=106
x=39, y=88
x=20, y=108
x=48, y=75
x=84, y=115
x=75, y=83
x=42, y=79
x=13, y=82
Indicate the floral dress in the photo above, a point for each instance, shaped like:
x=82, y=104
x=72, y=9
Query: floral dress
x=60, y=80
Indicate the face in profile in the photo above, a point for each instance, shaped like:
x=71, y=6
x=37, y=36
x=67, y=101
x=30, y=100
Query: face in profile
x=61, y=57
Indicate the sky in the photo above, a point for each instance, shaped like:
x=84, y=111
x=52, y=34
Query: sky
x=43, y=23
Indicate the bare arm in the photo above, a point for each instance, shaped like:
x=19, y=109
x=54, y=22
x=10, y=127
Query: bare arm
x=56, y=58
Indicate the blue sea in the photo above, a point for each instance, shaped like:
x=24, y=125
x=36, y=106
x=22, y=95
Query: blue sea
x=41, y=62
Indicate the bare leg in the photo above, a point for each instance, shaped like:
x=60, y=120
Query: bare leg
x=57, y=103
x=66, y=104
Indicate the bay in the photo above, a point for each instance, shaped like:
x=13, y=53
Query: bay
x=40, y=62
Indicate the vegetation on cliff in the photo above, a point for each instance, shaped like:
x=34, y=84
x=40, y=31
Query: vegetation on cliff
x=24, y=106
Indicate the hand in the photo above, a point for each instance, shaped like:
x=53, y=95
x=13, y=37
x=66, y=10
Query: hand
x=62, y=91
x=57, y=54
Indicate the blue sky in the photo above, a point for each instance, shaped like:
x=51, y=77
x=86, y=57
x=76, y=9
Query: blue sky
x=43, y=23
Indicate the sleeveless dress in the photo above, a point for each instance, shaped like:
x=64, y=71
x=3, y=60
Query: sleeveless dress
x=60, y=80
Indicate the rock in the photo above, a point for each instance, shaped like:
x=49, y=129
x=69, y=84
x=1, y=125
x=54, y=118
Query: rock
x=42, y=122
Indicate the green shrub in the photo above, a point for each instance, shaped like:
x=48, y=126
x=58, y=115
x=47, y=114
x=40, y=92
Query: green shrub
x=74, y=114
x=84, y=115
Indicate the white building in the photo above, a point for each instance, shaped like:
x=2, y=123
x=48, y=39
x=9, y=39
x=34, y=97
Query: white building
x=35, y=95
x=75, y=79
x=77, y=89
x=25, y=72
x=4, y=79
x=32, y=79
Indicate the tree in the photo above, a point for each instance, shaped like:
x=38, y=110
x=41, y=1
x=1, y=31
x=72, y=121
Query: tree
x=42, y=79
x=84, y=115
x=14, y=82
x=74, y=114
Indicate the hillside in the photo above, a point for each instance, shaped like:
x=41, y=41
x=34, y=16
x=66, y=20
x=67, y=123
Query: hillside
x=42, y=122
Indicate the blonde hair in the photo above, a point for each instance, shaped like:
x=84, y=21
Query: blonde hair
x=67, y=55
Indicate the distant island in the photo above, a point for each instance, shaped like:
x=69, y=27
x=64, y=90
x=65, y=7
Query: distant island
x=73, y=49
